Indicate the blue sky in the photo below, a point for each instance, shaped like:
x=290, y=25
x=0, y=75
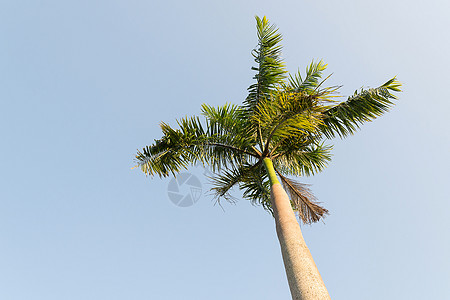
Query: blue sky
x=84, y=84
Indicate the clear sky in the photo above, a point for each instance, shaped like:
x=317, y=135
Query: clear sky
x=84, y=84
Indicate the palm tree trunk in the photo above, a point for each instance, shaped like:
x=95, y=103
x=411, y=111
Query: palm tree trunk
x=304, y=279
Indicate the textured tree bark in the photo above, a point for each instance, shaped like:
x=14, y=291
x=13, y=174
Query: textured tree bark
x=303, y=276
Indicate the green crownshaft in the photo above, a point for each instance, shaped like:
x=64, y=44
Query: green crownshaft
x=270, y=171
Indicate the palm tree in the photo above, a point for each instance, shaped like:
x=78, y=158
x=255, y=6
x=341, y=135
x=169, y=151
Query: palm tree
x=278, y=130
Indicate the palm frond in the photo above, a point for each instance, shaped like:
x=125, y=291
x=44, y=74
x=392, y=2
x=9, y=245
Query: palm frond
x=306, y=161
x=256, y=187
x=229, y=119
x=363, y=106
x=229, y=135
x=270, y=69
x=250, y=178
x=312, y=78
x=286, y=114
x=175, y=150
x=179, y=148
x=303, y=201
x=222, y=183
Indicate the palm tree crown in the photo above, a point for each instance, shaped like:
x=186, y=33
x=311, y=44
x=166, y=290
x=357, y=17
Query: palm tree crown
x=285, y=118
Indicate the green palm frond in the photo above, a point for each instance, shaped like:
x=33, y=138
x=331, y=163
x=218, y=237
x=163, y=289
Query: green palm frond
x=175, y=151
x=306, y=161
x=223, y=182
x=229, y=120
x=303, y=201
x=256, y=187
x=179, y=148
x=226, y=118
x=364, y=106
x=280, y=105
x=288, y=117
x=250, y=178
x=229, y=135
x=312, y=78
x=270, y=69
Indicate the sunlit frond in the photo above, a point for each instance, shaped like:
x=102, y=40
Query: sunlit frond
x=287, y=115
x=175, y=151
x=311, y=80
x=230, y=120
x=270, y=69
x=228, y=130
x=364, y=106
x=179, y=148
x=306, y=161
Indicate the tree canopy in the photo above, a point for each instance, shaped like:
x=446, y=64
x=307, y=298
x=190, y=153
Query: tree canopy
x=285, y=117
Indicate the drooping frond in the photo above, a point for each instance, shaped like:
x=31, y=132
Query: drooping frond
x=179, y=148
x=256, y=188
x=250, y=178
x=270, y=69
x=227, y=179
x=364, y=106
x=175, y=150
x=303, y=201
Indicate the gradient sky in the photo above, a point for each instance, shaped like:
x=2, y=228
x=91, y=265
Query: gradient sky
x=84, y=84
